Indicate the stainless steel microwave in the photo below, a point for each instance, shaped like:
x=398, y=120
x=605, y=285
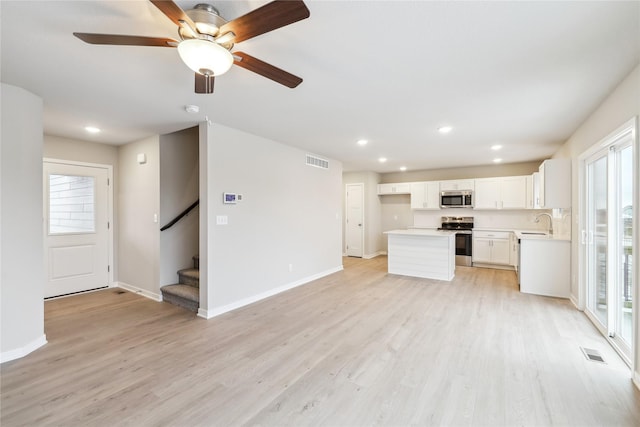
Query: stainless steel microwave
x=456, y=199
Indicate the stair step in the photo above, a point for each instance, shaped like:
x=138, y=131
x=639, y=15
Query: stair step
x=185, y=296
x=196, y=261
x=189, y=276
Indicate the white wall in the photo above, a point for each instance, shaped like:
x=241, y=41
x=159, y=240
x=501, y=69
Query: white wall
x=291, y=215
x=620, y=106
x=372, y=211
x=179, y=175
x=138, y=202
x=56, y=147
x=21, y=235
x=487, y=171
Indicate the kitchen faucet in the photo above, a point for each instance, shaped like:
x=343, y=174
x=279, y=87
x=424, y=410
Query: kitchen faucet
x=550, y=221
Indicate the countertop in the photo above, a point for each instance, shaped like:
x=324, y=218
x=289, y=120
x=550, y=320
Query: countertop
x=421, y=232
x=555, y=237
x=519, y=233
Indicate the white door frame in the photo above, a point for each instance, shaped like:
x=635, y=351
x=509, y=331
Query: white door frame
x=346, y=215
x=110, y=234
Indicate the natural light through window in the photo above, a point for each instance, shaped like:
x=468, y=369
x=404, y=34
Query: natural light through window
x=71, y=204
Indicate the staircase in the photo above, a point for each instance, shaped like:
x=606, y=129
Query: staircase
x=185, y=293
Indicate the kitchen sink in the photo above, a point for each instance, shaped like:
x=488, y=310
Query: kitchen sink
x=534, y=233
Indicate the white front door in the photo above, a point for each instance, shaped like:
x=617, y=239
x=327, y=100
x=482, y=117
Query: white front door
x=354, y=230
x=76, y=227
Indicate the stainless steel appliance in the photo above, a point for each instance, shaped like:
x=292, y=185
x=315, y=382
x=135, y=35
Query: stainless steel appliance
x=462, y=225
x=456, y=199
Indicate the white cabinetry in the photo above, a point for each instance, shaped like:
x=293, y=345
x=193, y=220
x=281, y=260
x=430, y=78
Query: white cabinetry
x=401, y=188
x=457, y=184
x=513, y=249
x=555, y=183
x=491, y=247
x=508, y=192
x=533, y=191
x=545, y=267
x=425, y=195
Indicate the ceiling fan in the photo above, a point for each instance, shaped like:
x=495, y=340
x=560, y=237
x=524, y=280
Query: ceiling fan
x=206, y=39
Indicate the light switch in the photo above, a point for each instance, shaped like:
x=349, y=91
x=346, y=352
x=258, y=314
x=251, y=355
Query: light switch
x=222, y=220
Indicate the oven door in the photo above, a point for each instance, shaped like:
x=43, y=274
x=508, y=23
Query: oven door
x=463, y=248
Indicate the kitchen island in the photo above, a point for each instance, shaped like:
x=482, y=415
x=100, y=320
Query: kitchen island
x=428, y=254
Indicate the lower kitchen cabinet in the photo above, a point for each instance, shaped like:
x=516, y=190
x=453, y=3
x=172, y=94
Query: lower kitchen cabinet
x=491, y=247
x=545, y=266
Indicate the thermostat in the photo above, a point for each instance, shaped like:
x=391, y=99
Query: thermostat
x=231, y=198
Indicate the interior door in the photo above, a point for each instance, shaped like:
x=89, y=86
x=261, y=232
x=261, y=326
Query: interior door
x=76, y=228
x=354, y=230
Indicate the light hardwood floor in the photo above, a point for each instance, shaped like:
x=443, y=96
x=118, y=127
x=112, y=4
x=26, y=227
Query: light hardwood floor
x=359, y=347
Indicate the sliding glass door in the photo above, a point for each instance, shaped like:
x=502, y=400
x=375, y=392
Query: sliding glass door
x=607, y=236
x=595, y=237
x=624, y=244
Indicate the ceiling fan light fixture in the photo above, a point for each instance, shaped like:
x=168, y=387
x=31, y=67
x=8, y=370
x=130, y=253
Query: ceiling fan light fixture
x=205, y=57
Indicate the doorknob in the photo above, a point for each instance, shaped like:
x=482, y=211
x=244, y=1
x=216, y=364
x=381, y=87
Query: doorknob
x=359, y=225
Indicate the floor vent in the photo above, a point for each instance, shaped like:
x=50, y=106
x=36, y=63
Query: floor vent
x=593, y=355
x=120, y=292
x=317, y=162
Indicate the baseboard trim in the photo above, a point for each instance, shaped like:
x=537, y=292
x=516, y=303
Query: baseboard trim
x=494, y=266
x=636, y=379
x=373, y=255
x=575, y=303
x=217, y=311
x=23, y=351
x=145, y=293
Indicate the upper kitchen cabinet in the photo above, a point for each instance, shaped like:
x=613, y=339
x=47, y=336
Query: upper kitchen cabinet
x=401, y=188
x=501, y=193
x=457, y=184
x=425, y=195
x=533, y=191
x=555, y=184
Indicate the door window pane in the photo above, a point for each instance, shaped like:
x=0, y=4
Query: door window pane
x=71, y=204
x=625, y=246
x=597, y=226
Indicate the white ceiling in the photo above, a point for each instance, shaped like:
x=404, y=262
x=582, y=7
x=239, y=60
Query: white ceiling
x=521, y=74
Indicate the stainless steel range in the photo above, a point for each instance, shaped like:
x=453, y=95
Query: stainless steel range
x=462, y=225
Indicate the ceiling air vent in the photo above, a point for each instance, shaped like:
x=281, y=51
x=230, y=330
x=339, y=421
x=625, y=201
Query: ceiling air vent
x=317, y=162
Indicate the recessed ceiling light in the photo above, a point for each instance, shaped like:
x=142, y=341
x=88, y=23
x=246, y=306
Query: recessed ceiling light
x=362, y=142
x=92, y=129
x=403, y=168
x=445, y=129
x=496, y=147
x=497, y=160
x=382, y=159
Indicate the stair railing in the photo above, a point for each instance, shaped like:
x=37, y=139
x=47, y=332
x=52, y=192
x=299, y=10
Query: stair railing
x=181, y=215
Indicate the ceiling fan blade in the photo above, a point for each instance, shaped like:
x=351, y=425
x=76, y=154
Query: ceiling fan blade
x=276, y=74
x=267, y=18
x=204, y=84
x=175, y=13
x=116, y=39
